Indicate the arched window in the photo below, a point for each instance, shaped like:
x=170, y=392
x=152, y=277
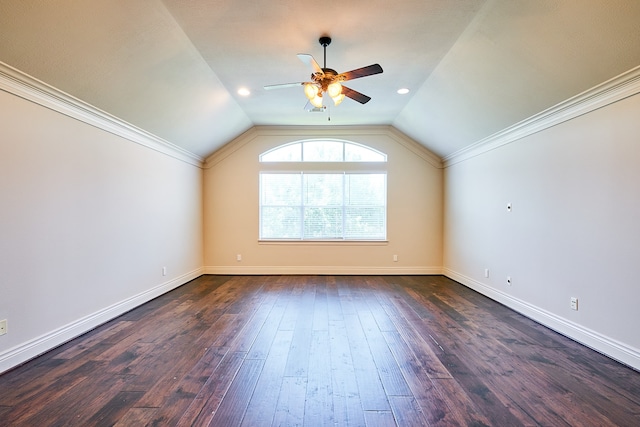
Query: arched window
x=321, y=150
x=323, y=190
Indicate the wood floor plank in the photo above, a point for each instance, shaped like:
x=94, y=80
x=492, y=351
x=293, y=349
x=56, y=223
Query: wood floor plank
x=174, y=397
x=321, y=350
x=435, y=406
x=232, y=408
x=320, y=306
x=370, y=388
x=65, y=409
x=86, y=343
x=267, y=328
x=18, y=413
x=388, y=369
x=423, y=344
x=262, y=406
x=207, y=401
x=26, y=389
x=137, y=417
x=347, y=405
x=298, y=360
x=318, y=408
x=379, y=419
x=290, y=407
x=115, y=409
x=407, y=412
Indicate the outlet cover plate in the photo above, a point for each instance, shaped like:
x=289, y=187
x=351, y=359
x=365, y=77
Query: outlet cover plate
x=574, y=303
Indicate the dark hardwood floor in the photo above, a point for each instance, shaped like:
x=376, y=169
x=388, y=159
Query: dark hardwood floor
x=321, y=350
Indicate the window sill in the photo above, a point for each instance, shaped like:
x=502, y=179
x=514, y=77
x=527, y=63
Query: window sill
x=324, y=242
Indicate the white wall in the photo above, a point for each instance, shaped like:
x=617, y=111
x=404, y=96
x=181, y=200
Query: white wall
x=414, y=224
x=87, y=221
x=574, y=228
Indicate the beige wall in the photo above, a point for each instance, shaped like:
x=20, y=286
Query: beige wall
x=414, y=227
x=87, y=221
x=574, y=228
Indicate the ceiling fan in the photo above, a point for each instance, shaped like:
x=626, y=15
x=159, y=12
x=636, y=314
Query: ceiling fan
x=327, y=80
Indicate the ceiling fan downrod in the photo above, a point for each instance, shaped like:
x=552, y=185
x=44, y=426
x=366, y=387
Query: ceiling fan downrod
x=325, y=41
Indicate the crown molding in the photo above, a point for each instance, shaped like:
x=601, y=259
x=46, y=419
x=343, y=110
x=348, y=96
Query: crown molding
x=311, y=132
x=418, y=149
x=31, y=89
x=231, y=147
x=623, y=86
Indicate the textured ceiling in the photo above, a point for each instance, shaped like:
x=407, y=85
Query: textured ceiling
x=173, y=67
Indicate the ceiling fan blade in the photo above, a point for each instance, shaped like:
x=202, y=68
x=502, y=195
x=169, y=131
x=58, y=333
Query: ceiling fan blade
x=284, y=85
x=360, y=72
x=355, y=95
x=311, y=62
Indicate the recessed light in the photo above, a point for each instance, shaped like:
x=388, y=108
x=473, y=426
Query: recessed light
x=243, y=91
x=403, y=91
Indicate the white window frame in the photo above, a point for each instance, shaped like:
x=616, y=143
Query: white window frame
x=330, y=167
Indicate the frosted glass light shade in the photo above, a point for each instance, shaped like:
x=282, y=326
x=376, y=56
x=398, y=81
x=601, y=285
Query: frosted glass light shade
x=334, y=89
x=310, y=91
x=337, y=99
x=316, y=101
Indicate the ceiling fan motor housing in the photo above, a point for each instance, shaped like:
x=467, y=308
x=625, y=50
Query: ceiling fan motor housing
x=325, y=41
x=324, y=80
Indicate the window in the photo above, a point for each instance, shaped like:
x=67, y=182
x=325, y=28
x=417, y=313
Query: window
x=305, y=196
x=323, y=151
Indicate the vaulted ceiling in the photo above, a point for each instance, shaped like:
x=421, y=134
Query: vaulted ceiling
x=173, y=67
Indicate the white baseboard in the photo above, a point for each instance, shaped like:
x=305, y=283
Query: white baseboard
x=37, y=346
x=320, y=270
x=608, y=346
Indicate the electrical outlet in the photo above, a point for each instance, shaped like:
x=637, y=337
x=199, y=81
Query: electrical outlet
x=486, y=272
x=164, y=271
x=3, y=327
x=238, y=257
x=574, y=303
x=395, y=258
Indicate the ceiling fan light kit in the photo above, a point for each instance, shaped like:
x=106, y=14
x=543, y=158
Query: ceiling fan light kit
x=327, y=80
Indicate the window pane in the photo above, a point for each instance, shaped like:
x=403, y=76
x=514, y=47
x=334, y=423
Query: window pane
x=366, y=189
x=322, y=151
x=280, y=222
x=322, y=223
x=281, y=189
x=287, y=153
x=315, y=206
x=323, y=189
x=365, y=223
x=358, y=153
